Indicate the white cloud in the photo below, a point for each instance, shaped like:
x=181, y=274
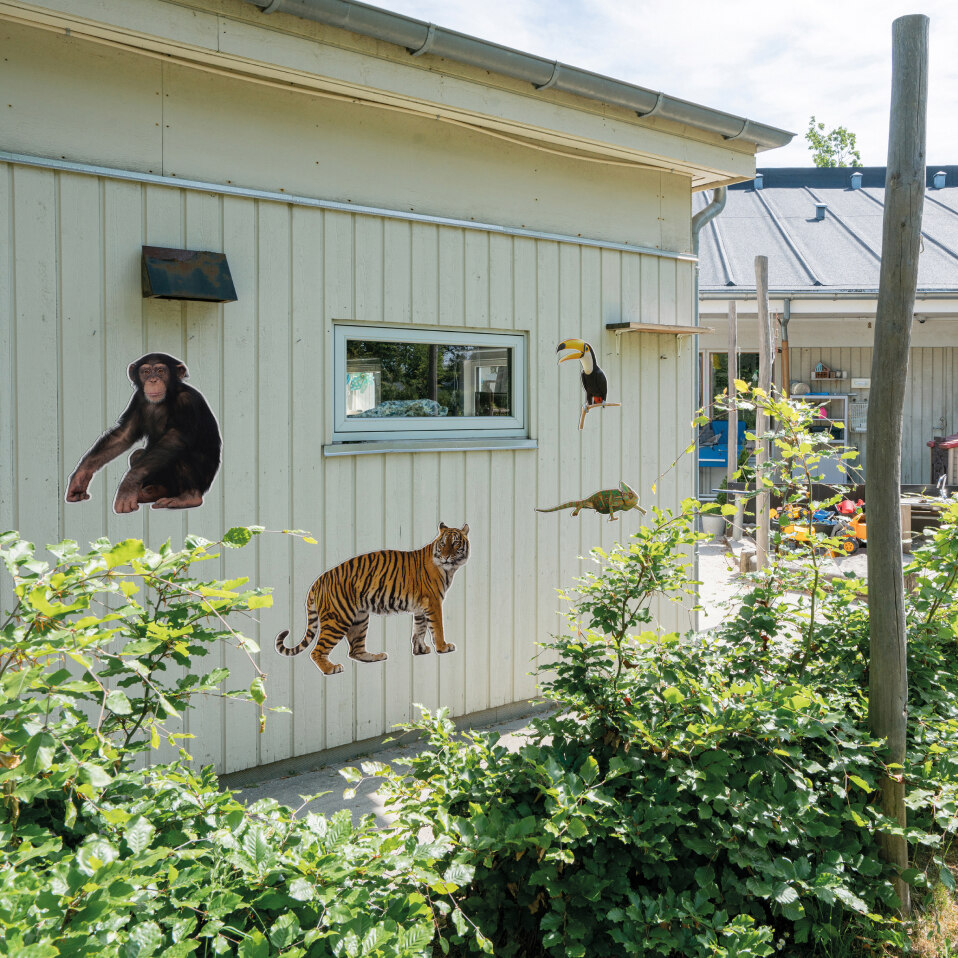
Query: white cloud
x=777, y=62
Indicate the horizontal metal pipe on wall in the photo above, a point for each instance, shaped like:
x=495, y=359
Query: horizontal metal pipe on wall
x=221, y=189
x=420, y=37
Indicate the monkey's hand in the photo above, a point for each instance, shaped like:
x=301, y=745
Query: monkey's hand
x=76, y=491
x=127, y=499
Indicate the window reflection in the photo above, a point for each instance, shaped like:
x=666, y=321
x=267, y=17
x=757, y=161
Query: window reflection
x=415, y=380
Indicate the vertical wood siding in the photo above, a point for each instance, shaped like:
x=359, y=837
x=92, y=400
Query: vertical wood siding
x=930, y=407
x=73, y=318
x=931, y=397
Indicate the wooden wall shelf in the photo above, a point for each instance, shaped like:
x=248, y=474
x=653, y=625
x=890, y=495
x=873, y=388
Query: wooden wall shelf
x=620, y=328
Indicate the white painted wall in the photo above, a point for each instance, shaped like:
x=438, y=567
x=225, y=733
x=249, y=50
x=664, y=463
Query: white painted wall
x=102, y=105
x=171, y=88
x=74, y=318
x=233, y=38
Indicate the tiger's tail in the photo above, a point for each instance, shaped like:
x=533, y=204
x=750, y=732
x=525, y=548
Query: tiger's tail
x=312, y=620
x=565, y=505
x=296, y=649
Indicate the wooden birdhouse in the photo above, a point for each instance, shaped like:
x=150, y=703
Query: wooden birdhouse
x=822, y=371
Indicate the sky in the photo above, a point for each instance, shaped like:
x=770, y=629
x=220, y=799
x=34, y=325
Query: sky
x=777, y=62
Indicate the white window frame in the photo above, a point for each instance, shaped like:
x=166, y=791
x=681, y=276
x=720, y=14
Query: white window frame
x=346, y=429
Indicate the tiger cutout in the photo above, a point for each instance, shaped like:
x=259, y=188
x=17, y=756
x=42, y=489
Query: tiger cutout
x=384, y=582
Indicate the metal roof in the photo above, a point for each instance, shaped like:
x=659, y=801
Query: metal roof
x=840, y=253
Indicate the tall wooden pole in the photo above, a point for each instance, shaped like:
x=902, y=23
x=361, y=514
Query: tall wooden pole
x=904, y=196
x=765, y=360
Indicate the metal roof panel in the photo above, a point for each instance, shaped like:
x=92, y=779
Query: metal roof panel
x=842, y=250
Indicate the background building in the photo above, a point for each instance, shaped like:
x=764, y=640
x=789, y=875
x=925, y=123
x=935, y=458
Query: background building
x=821, y=230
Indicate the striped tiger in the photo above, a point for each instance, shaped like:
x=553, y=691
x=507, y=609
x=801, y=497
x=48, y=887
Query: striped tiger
x=384, y=582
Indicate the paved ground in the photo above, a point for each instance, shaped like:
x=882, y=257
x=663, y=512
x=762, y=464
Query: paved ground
x=721, y=583
x=292, y=789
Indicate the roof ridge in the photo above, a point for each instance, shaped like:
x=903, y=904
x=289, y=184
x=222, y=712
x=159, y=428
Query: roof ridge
x=924, y=234
x=944, y=206
x=722, y=253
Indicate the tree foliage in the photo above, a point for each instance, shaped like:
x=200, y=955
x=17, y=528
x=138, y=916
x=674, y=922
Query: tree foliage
x=99, y=657
x=833, y=148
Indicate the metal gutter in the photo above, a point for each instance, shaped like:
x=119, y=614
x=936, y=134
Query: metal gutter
x=707, y=214
x=719, y=242
x=699, y=221
x=420, y=37
x=821, y=292
x=220, y=189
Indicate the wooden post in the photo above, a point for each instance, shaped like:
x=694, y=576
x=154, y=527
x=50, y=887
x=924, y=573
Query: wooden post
x=786, y=360
x=738, y=520
x=765, y=360
x=904, y=196
x=732, y=376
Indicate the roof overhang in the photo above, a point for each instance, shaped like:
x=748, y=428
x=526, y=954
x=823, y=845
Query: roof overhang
x=420, y=38
x=727, y=293
x=820, y=304
x=710, y=147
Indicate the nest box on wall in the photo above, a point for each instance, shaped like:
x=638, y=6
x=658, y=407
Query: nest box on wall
x=186, y=274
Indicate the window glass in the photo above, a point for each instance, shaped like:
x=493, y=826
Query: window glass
x=411, y=380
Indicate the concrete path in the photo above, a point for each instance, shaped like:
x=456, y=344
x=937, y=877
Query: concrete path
x=293, y=789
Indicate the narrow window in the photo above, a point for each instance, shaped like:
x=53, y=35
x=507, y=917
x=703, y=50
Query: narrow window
x=427, y=383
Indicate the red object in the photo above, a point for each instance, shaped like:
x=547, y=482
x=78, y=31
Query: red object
x=950, y=442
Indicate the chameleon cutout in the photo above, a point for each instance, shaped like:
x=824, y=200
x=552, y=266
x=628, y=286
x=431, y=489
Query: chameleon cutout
x=606, y=501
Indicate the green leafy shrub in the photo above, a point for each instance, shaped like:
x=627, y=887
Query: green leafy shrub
x=931, y=609
x=99, y=857
x=702, y=795
x=163, y=862
x=667, y=808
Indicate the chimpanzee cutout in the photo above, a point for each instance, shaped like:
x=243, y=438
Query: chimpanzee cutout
x=182, y=453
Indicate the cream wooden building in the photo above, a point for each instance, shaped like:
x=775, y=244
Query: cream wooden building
x=357, y=190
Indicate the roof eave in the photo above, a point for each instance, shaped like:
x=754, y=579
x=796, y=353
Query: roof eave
x=818, y=292
x=420, y=38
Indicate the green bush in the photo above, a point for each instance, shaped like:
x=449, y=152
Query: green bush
x=679, y=803
x=98, y=857
x=702, y=795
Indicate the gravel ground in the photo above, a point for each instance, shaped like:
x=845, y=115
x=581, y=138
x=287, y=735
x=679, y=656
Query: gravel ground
x=721, y=581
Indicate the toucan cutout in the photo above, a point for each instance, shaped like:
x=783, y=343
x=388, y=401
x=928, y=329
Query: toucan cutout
x=594, y=382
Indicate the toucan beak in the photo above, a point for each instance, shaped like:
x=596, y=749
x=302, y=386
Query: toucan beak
x=575, y=348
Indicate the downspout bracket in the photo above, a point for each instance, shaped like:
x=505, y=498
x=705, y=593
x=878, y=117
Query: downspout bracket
x=553, y=80
x=427, y=43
